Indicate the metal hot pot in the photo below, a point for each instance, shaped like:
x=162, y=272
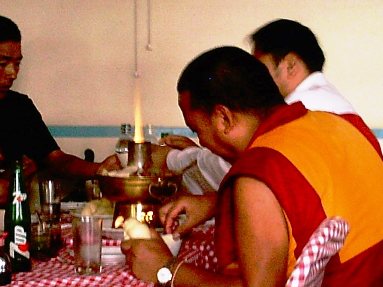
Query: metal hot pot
x=139, y=188
x=139, y=196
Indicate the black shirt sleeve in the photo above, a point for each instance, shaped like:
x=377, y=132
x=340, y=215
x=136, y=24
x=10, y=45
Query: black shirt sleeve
x=22, y=129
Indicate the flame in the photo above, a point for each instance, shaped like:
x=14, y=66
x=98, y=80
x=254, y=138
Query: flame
x=136, y=211
x=138, y=126
x=119, y=221
x=139, y=212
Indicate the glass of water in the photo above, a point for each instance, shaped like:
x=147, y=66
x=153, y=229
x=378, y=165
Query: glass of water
x=87, y=244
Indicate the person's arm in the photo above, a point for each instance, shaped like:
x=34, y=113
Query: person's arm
x=262, y=234
x=197, y=208
x=189, y=275
x=159, y=155
x=178, y=142
x=66, y=164
x=146, y=257
x=262, y=237
x=202, y=170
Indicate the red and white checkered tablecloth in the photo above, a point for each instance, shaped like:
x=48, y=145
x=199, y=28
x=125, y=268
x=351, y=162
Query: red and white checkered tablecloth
x=198, y=249
x=59, y=271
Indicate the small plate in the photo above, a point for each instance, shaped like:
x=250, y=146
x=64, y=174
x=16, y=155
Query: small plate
x=112, y=259
x=71, y=206
x=113, y=233
x=112, y=255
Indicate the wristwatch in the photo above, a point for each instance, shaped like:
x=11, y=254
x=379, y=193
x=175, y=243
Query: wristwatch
x=165, y=273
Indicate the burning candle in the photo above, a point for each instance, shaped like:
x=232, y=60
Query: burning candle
x=139, y=150
x=138, y=131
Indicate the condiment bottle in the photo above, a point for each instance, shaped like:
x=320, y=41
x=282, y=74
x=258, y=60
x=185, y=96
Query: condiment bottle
x=150, y=134
x=5, y=263
x=122, y=145
x=17, y=222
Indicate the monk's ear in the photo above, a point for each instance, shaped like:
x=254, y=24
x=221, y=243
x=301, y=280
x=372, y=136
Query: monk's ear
x=223, y=119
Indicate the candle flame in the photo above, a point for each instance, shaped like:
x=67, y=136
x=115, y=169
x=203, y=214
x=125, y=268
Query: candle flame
x=119, y=221
x=139, y=213
x=138, y=126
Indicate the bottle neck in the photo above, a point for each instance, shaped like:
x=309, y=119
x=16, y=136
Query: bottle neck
x=18, y=177
x=126, y=131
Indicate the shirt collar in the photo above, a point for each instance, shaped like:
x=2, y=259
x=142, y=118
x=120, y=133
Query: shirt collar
x=316, y=79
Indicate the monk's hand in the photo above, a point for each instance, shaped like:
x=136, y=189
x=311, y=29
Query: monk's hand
x=183, y=213
x=146, y=256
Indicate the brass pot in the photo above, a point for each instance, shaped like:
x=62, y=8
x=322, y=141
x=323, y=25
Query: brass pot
x=144, y=189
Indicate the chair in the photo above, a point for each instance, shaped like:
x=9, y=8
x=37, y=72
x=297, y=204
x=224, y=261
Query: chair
x=325, y=242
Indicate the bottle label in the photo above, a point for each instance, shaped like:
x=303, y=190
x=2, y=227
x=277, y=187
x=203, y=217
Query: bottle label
x=18, y=198
x=20, y=245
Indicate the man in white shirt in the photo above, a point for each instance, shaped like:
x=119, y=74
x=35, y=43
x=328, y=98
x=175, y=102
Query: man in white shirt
x=295, y=60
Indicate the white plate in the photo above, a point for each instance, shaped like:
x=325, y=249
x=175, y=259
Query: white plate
x=71, y=205
x=113, y=233
x=112, y=259
x=112, y=255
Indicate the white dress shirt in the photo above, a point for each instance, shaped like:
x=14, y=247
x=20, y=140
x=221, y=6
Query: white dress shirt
x=317, y=94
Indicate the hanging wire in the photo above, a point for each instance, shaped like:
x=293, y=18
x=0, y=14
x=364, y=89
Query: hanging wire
x=136, y=72
x=149, y=44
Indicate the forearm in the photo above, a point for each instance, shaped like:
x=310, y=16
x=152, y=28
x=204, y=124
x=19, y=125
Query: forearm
x=159, y=155
x=190, y=276
x=70, y=165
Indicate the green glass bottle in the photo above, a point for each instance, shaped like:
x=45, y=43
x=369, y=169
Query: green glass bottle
x=17, y=222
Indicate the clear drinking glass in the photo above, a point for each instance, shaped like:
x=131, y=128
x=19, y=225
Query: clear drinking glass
x=50, y=191
x=87, y=244
x=41, y=241
x=50, y=199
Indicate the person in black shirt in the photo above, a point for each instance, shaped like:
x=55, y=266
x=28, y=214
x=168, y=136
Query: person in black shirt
x=23, y=133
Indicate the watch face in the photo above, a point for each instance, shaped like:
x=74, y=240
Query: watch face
x=164, y=275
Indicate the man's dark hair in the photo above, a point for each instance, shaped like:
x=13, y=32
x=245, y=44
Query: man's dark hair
x=9, y=30
x=284, y=36
x=232, y=77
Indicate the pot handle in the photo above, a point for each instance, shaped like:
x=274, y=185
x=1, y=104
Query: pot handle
x=162, y=190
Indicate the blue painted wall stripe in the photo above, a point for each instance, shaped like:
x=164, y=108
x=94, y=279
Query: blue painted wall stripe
x=114, y=131
x=378, y=133
x=107, y=131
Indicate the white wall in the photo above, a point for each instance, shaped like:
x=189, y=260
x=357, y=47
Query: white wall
x=79, y=54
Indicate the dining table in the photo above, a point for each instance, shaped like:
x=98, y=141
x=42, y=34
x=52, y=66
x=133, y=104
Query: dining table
x=197, y=248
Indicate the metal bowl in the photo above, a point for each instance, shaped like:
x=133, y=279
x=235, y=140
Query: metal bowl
x=144, y=189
